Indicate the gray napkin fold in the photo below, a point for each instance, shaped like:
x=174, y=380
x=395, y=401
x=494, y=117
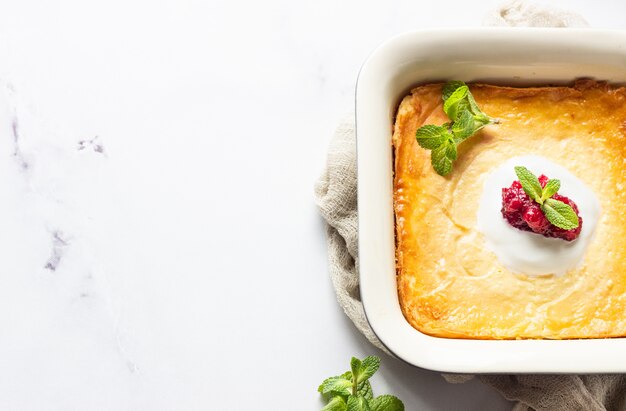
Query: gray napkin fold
x=335, y=194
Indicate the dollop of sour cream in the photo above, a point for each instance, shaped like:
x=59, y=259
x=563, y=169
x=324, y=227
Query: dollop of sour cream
x=525, y=252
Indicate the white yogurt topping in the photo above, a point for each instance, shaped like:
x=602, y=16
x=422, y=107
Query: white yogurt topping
x=525, y=252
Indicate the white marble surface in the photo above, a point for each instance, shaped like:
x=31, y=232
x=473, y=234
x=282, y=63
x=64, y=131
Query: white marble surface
x=160, y=245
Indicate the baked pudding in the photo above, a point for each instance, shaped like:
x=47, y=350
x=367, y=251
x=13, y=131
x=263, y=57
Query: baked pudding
x=457, y=275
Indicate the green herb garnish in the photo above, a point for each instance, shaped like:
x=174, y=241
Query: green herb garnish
x=465, y=120
x=557, y=212
x=352, y=391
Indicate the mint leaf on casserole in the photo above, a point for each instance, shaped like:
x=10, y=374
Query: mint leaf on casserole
x=480, y=118
x=450, y=87
x=431, y=136
x=352, y=391
x=443, y=156
x=457, y=103
x=464, y=126
x=466, y=119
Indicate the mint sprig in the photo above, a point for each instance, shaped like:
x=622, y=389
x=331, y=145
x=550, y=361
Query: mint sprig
x=352, y=391
x=557, y=212
x=466, y=119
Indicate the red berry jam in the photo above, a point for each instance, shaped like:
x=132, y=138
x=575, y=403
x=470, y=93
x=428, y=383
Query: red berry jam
x=525, y=214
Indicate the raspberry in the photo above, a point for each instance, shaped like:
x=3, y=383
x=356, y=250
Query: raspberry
x=524, y=214
x=533, y=216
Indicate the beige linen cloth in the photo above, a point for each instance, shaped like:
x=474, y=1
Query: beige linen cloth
x=336, y=197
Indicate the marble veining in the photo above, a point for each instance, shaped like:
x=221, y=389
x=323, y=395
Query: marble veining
x=94, y=144
x=59, y=243
x=16, y=141
x=55, y=298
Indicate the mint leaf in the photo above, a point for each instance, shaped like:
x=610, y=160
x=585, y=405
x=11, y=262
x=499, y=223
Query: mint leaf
x=480, y=118
x=364, y=388
x=336, y=404
x=560, y=214
x=431, y=136
x=442, y=157
x=451, y=151
x=355, y=367
x=386, y=403
x=463, y=127
x=552, y=186
x=480, y=122
x=456, y=103
x=476, y=111
x=336, y=386
x=450, y=87
x=369, y=366
x=357, y=403
x=457, y=98
x=530, y=183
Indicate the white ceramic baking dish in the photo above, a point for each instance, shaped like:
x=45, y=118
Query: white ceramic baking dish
x=513, y=56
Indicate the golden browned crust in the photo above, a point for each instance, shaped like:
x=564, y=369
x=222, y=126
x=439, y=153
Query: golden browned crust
x=449, y=284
